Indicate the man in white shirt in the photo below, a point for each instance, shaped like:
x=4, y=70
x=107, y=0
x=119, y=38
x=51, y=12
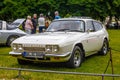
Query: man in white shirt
x=41, y=23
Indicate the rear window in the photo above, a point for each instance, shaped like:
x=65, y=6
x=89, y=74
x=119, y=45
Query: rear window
x=98, y=26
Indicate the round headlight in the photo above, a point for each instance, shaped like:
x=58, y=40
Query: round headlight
x=52, y=48
x=14, y=47
x=55, y=48
x=20, y=47
x=48, y=48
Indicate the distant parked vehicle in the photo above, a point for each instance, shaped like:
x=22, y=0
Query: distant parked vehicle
x=17, y=23
x=113, y=25
x=9, y=33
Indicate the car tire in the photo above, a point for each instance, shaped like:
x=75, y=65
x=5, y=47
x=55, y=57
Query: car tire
x=11, y=39
x=105, y=48
x=76, y=58
x=22, y=62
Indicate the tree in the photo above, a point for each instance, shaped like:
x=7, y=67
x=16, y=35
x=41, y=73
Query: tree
x=98, y=9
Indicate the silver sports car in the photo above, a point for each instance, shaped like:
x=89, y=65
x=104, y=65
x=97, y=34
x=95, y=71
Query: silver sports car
x=10, y=32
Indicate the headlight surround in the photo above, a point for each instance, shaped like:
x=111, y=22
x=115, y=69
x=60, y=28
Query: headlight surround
x=17, y=47
x=52, y=48
x=14, y=47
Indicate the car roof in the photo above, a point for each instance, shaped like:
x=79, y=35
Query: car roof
x=75, y=18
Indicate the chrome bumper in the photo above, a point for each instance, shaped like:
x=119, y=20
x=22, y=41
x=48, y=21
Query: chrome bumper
x=47, y=55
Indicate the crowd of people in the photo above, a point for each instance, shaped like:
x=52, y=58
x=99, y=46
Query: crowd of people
x=34, y=25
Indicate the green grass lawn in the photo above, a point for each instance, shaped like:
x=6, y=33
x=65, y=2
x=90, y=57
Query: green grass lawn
x=92, y=64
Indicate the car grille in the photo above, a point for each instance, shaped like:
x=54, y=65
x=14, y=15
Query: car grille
x=34, y=49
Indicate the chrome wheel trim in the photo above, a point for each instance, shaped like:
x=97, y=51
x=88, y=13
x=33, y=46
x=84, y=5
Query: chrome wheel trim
x=77, y=58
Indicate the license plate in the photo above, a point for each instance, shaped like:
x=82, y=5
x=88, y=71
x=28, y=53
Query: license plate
x=33, y=54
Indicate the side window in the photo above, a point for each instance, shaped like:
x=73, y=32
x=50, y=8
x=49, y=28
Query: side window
x=97, y=25
x=90, y=26
x=82, y=26
x=0, y=25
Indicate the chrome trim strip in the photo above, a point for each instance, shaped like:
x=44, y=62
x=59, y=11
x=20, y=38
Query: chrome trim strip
x=58, y=55
x=14, y=53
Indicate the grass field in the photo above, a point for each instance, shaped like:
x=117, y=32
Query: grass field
x=92, y=64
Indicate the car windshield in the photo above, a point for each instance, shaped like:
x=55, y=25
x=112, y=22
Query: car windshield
x=66, y=25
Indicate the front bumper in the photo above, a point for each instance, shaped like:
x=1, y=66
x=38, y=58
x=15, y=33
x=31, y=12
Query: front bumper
x=47, y=57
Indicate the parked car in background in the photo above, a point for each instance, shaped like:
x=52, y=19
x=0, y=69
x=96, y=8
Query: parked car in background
x=18, y=23
x=67, y=40
x=114, y=25
x=9, y=33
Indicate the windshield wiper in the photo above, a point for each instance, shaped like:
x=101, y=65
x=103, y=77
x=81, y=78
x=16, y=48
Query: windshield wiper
x=76, y=31
x=66, y=30
x=63, y=30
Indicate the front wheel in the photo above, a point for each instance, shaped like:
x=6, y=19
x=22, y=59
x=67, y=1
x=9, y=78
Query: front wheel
x=76, y=58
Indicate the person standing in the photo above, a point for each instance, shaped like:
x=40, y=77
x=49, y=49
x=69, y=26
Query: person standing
x=41, y=23
x=47, y=22
x=57, y=15
x=28, y=25
x=34, y=21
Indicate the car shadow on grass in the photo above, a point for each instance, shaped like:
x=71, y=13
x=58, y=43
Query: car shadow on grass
x=38, y=65
x=49, y=65
x=91, y=56
x=52, y=66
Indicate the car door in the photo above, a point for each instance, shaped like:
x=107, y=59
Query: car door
x=91, y=39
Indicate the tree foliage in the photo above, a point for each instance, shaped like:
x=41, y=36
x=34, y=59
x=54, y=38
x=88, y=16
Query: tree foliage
x=98, y=9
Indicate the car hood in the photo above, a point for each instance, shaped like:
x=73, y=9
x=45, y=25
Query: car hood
x=17, y=30
x=48, y=38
